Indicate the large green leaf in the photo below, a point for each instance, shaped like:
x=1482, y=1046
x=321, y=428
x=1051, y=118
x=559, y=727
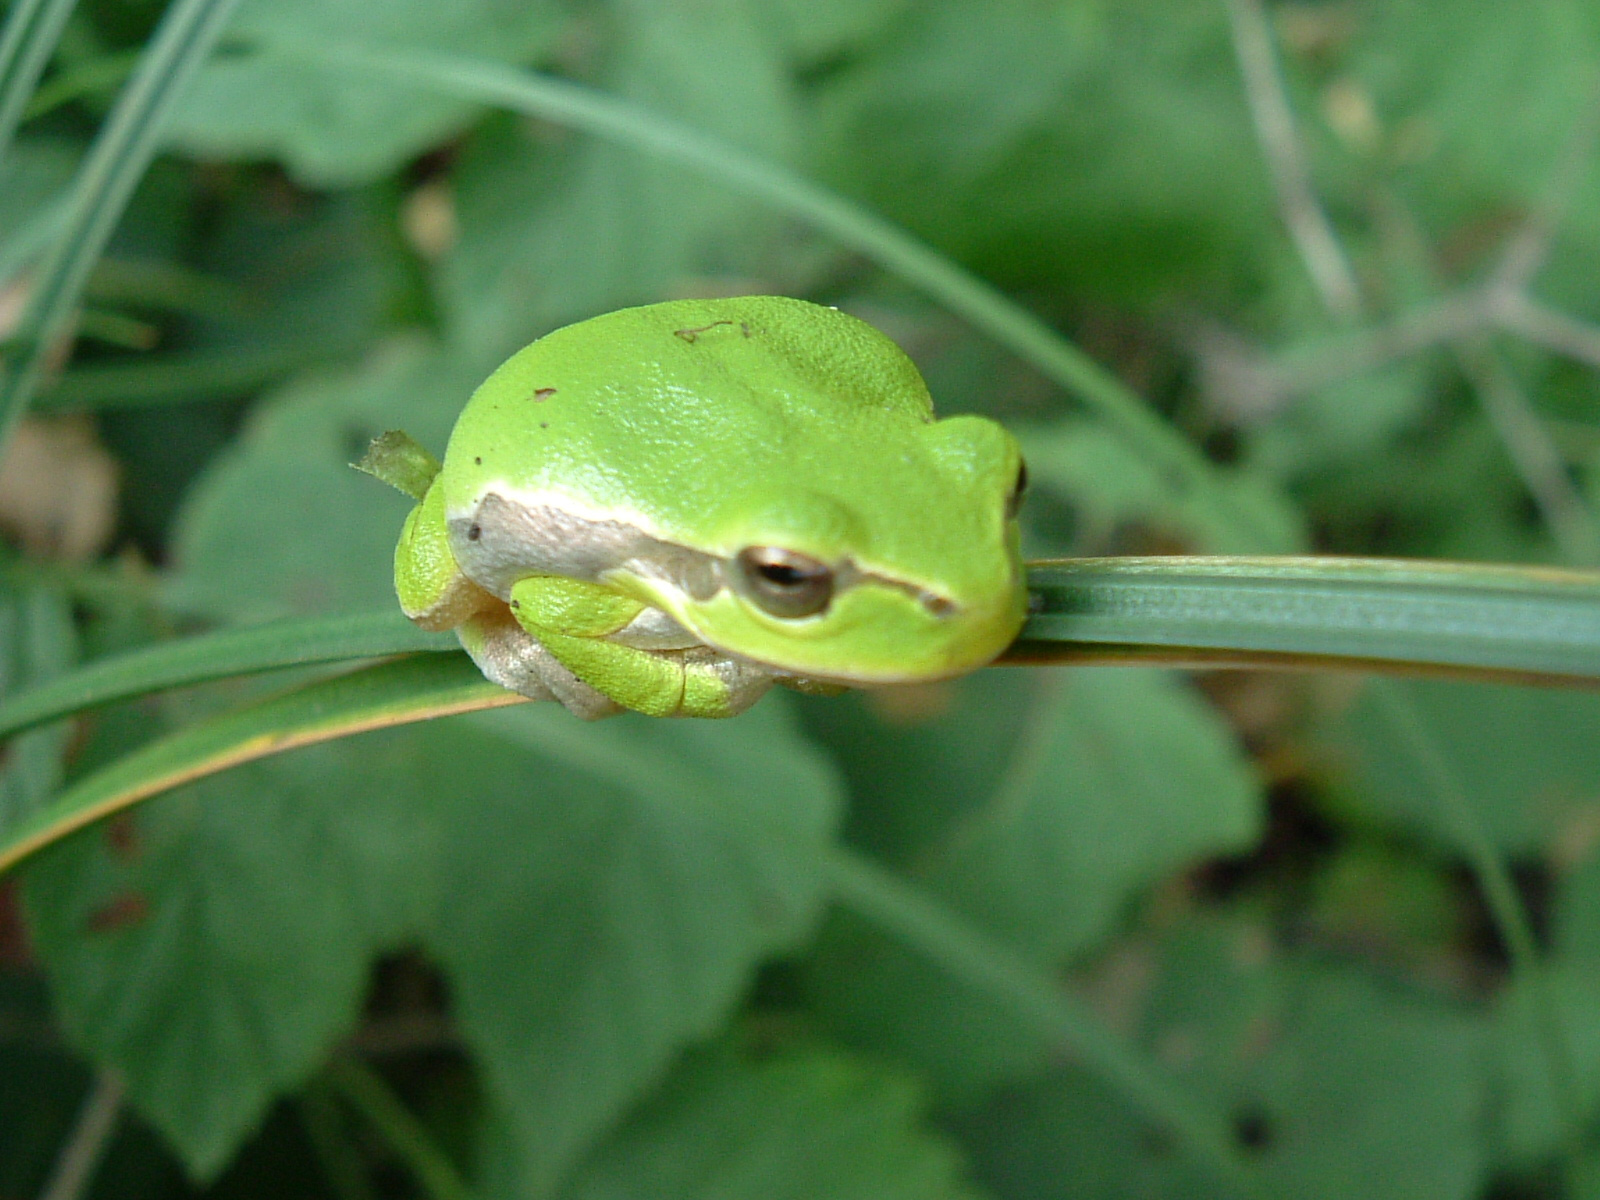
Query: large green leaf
x=1102, y=143
x=1106, y=488
x=1527, y=760
x=281, y=525
x=817, y=31
x=803, y=1123
x=1530, y=1119
x=1498, y=89
x=31, y=176
x=1341, y=1087
x=332, y=129
x=551, y=233
x=1530, y=1126
x=1039, y=807
x=597, y=895
x=593, y=923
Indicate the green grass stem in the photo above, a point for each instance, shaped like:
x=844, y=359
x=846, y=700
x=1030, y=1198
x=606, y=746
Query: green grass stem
x=100, y=193
x=28, y=38
x=985, y=307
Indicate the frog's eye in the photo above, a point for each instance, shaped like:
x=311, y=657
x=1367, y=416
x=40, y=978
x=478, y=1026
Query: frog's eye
x=1018, y=490
x=784, y=583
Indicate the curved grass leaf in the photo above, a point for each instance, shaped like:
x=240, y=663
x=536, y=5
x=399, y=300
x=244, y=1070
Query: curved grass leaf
x=182, y=378
x=104, y=185
x=214, y=656
x=1528, y=624
x=26, y=42
x=851, y=224
x=394, y=693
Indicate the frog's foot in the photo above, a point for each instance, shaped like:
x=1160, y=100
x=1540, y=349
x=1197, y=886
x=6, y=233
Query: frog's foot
x=588, y=628
x=432, y=590
x=507, y=655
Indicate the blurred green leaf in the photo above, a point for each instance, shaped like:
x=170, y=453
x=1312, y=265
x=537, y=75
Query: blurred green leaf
x=1342, y=421
x=32, y=177
x=798, y=1123
x=1529, y=759
x=1340, y=1087
x=213, y=949
x=330, y=129
x=281, y=524
x=1528, y=1129
x=1106, y=486
x=1106, y=144
x=551, y=232
x=823, y=31
x=1476, y=99
x=1041, y=816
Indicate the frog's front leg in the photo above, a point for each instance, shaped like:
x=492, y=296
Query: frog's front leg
x=579, y=623
x=436, y=595
x=432, y=590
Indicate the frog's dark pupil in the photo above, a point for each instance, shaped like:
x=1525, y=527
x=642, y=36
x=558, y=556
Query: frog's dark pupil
x=474, y=532
x=785, y=583
x=783, y=575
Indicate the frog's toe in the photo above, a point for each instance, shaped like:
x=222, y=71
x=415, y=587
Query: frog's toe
x=716, y=684
x=509, y=656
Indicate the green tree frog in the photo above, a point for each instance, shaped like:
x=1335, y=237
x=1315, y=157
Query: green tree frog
x=670, y=508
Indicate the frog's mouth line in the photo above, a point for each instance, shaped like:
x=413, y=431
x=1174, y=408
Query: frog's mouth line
x=502, y=540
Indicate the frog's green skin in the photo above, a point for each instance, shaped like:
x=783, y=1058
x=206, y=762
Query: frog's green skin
x=584, y=534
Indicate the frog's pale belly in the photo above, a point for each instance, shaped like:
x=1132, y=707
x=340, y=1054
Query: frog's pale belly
x=505, y=538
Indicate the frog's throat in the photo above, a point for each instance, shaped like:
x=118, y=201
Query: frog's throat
x=501, y=540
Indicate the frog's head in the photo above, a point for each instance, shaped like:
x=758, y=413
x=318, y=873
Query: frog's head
x=871, y=563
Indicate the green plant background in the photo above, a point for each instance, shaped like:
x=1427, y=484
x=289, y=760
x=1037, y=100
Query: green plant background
x=514, y=955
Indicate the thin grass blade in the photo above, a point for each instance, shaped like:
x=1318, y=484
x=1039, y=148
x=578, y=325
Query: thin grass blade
x=27, y=40
x=1509, y=623
x=213, y=656
x=392, y=693
x=851, y=224
x=101, y=191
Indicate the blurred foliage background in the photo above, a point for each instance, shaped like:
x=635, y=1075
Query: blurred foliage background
x=1351, y=249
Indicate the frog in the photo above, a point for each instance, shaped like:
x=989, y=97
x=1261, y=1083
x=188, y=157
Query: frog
x=671, y=508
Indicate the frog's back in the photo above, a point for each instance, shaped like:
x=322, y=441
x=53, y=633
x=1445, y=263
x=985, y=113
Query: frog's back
x=648, y=409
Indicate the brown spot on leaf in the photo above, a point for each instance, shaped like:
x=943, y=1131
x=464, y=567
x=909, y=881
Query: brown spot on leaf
x=14, y=948
x=543, y=394
x=129, y=908
x=122, y=836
